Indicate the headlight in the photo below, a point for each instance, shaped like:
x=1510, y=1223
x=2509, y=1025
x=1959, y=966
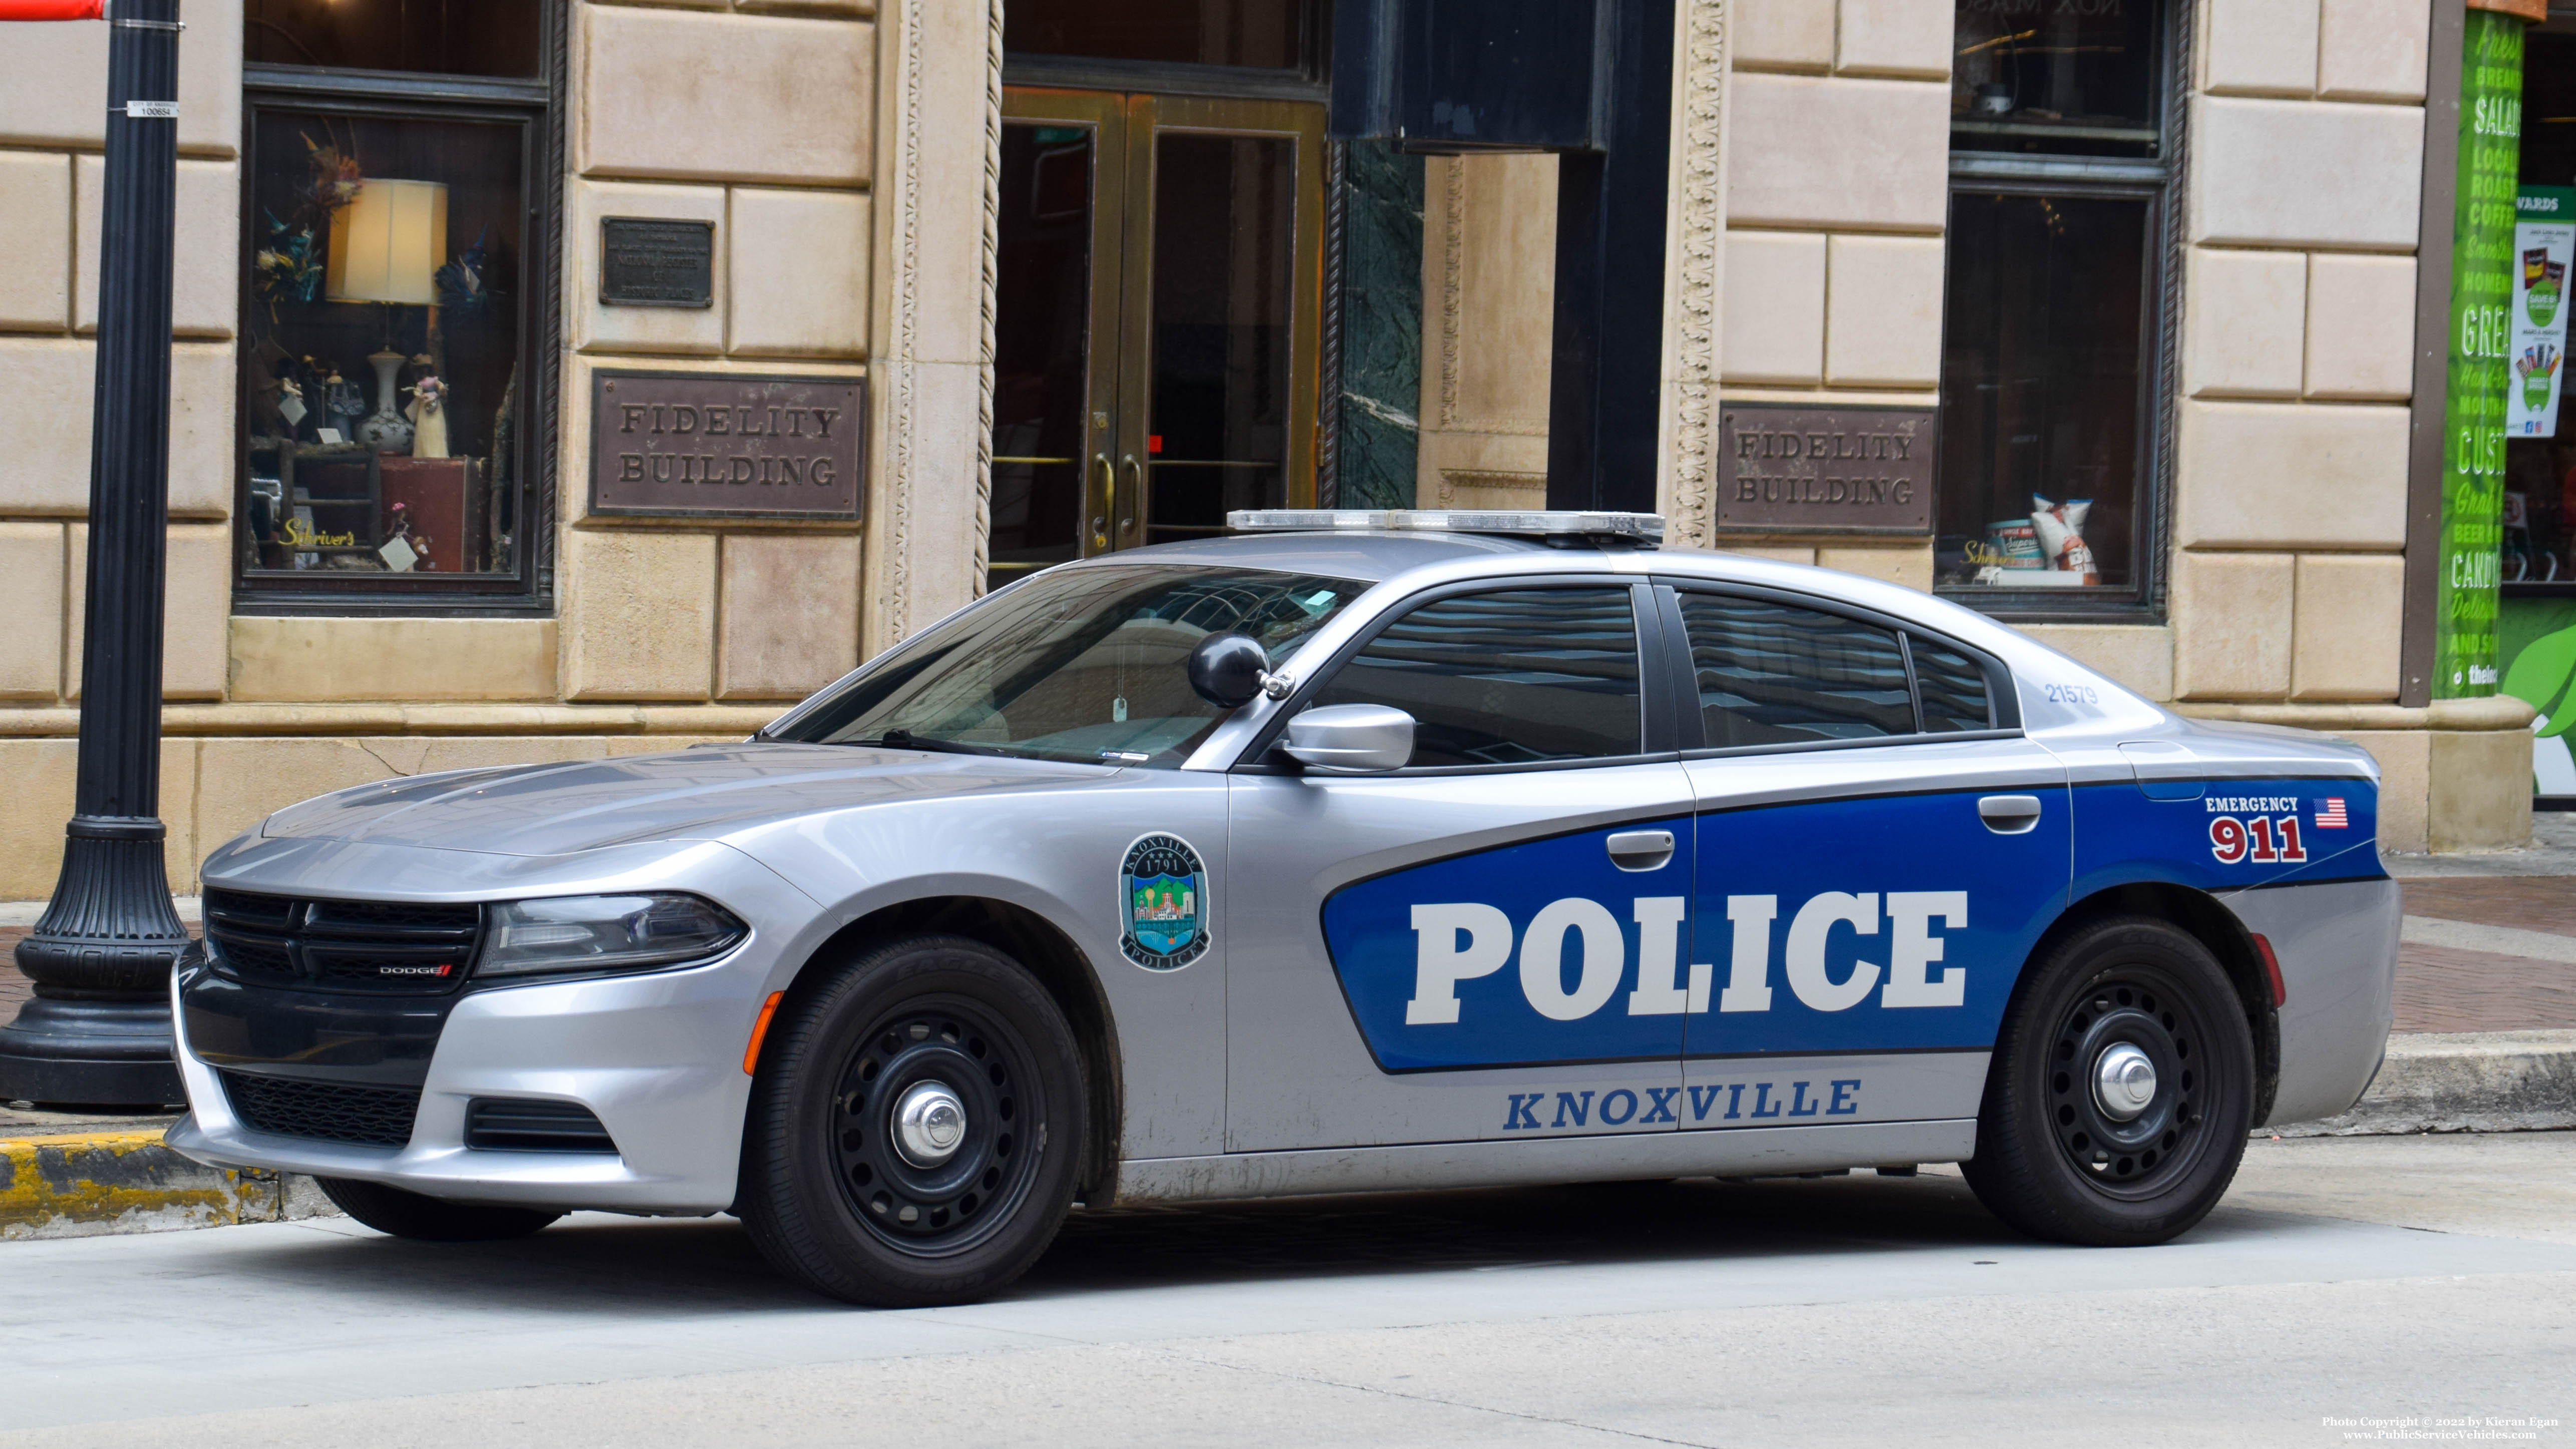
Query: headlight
x=604, y=933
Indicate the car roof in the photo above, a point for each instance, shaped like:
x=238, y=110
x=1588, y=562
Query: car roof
x=1433, y=556
x=1376, y=556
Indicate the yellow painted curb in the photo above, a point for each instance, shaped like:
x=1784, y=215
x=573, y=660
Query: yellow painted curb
x=85, y=1183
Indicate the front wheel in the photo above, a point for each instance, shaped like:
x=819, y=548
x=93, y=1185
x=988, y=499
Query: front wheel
x=2121, y=1090
x=914, y=1127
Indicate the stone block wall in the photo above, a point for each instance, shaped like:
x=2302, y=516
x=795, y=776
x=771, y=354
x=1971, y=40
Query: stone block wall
x=761, y=120
x=53, y=107
x=1837, y=195
x=2289, y=524
x=764, y=117
x=53, y=110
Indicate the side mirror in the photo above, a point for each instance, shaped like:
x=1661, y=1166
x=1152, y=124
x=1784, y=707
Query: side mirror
x=1229, y=670
x=1359, y=737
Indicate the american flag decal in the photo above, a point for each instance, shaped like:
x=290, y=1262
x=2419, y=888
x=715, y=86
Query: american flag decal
x=2330, y=814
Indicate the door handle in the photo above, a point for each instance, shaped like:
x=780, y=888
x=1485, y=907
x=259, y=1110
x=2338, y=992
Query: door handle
x=1108, y=491
x=1641, y=849
x=1135, y=494
x=2009, y=814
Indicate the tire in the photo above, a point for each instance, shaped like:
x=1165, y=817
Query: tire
x=2054, y=1156
x=430, y=1219
x=839, y=1199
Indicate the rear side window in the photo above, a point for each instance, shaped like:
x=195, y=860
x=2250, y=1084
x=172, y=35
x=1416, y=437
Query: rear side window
x=1512, y=677
x=1953, y=687
x=1776, y=674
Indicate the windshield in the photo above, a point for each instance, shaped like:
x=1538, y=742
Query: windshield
x=1075, y=664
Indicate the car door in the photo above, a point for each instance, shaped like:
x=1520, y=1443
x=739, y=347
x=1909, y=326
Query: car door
x=1879, y=850
x=1485, y=943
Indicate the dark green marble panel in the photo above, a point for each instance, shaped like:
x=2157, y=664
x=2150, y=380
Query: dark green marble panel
x=1381, y=305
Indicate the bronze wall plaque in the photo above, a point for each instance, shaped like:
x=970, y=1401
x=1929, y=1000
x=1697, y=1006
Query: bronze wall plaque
x=692, y=445
x=656, y=262
x=1783, y=468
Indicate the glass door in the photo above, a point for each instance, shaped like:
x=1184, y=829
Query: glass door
x=1158, y=304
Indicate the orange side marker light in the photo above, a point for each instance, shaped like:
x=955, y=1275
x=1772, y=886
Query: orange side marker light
x=760, y=1029
x=2262, y=948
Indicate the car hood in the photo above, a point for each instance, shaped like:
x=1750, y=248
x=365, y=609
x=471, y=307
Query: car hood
x=699, y=794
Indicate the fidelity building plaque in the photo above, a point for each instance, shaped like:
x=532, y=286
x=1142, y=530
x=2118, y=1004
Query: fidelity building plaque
x=1791, y=469
x=692, y=445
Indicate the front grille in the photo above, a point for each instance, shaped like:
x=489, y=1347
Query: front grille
x=522, y=1124
x=392, y=947
x=330, y=1111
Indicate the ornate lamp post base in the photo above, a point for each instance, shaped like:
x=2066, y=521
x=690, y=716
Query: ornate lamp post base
x=98, y=1030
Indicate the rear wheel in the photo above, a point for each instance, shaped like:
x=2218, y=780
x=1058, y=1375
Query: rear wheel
x=2121, y=1091
x=429, y=1219
x=914, y=1127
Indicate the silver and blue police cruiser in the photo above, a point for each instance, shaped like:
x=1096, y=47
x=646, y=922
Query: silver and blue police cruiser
x=1352, y=851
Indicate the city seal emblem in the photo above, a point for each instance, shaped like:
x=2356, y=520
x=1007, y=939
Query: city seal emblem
x=1163, y=903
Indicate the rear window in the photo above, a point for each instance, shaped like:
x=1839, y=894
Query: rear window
x=1776, y=674
x=1953, y=687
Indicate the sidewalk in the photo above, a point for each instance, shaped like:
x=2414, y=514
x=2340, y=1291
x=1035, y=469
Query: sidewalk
x=2490, y=940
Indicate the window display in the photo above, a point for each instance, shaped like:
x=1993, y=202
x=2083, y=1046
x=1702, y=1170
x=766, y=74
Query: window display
x=2041, y=371
x=386, y=374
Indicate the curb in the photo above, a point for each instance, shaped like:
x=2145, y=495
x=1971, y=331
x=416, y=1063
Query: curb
x=88, y=1183
x=81, y=1181
x=2483, y=1081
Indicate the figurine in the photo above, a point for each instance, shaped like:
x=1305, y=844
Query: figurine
x=428, y=414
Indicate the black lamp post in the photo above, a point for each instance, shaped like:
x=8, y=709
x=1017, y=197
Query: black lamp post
x=98, y=1028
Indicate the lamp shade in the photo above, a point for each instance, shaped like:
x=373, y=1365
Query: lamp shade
x=386, y=245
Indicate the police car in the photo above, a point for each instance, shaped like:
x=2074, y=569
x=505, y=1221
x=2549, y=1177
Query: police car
x=1351, y=851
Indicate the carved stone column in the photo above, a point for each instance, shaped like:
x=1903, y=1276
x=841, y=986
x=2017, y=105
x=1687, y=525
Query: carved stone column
x=1694, y=252
x=939, y=148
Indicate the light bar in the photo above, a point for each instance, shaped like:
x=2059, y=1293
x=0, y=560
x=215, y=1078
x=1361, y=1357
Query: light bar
x=1646, y=529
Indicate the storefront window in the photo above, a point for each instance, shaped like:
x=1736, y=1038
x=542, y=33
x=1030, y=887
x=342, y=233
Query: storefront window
x=2540, y=470
x=393, y=281
x=1253, y=34
x=2051, y=350
x=2077, y=76
x=443, y=37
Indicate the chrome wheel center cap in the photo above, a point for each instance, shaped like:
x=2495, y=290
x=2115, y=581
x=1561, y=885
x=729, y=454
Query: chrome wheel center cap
x=929, y=1123
x=2124, y=1082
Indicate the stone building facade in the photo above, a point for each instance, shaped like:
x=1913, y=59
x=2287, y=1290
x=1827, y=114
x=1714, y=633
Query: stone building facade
x=851, y=164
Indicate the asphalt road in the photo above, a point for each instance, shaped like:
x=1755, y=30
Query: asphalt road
x=2363, y=1279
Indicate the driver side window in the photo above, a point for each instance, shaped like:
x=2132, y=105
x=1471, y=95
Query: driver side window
x=1510, y=677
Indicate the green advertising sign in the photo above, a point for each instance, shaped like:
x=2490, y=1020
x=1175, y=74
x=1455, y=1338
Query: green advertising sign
x=2481, y=375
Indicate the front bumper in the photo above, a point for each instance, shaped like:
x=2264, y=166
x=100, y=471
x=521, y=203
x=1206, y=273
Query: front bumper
x=658, y=1059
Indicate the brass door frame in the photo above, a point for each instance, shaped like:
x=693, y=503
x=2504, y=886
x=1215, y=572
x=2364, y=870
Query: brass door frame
x=1302, y=125
x=1119, y=361
x=1105, y=116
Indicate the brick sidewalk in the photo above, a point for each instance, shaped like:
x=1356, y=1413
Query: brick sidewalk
x=2438, y=989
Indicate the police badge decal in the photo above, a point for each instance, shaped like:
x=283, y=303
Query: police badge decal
x=1163, y=902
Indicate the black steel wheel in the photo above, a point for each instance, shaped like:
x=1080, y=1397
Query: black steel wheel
x=2121, y=1090
x=927, y=1136
x=914, y=1127
x=407, y=1214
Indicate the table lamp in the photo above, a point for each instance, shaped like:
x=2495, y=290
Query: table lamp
x=385, y=247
